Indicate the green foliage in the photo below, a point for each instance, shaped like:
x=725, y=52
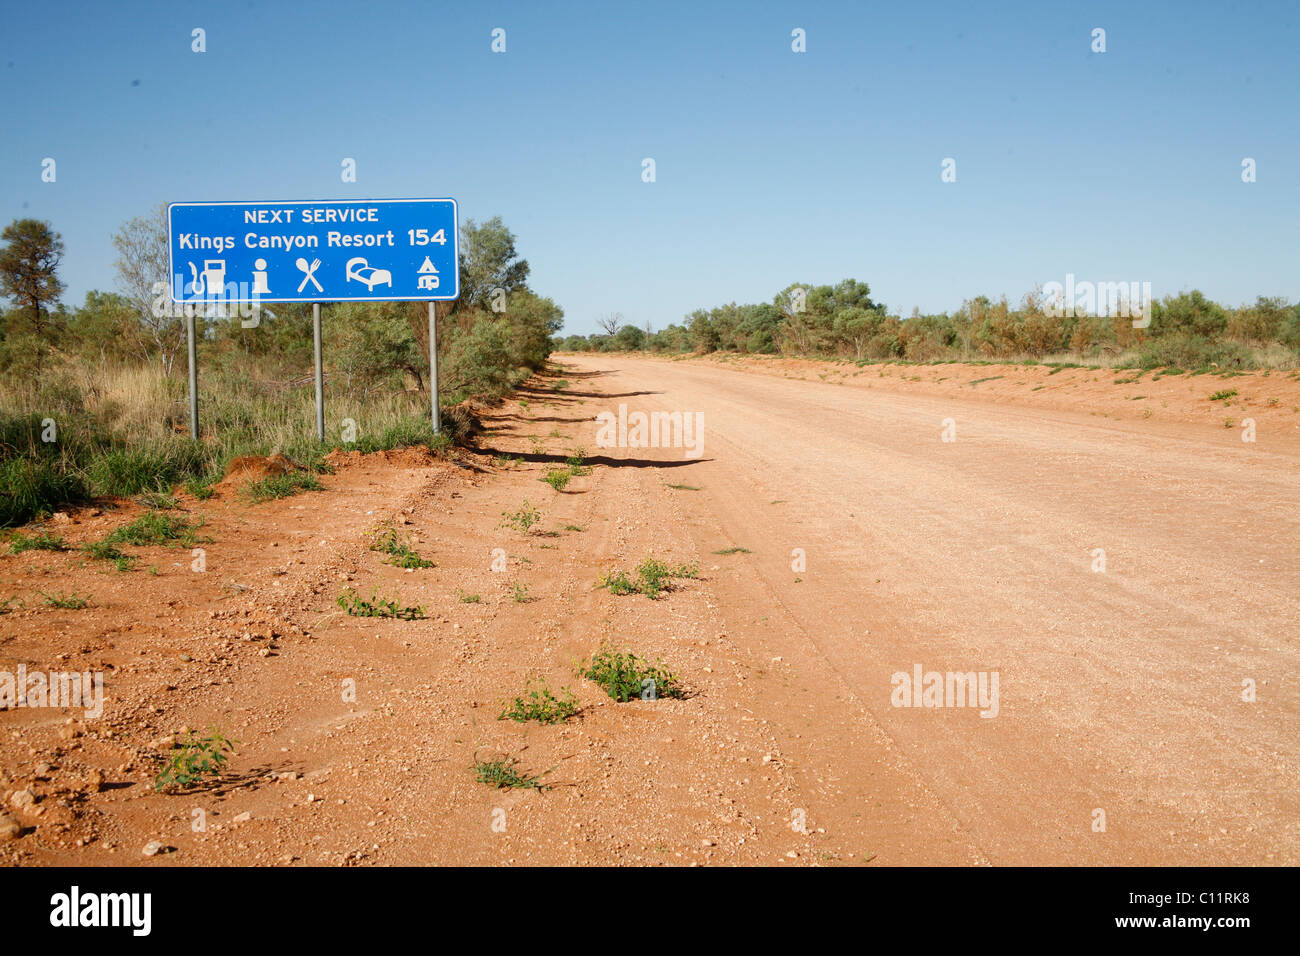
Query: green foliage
x=104, y=551
x=501, y=774
x=1224, y=395
x=194, y=758
x=358, y=606
x=520, y=593
x=120, y=436
x=19, y=542
x=399, y=550
x=155, y=528
x=624, y=676
x=1192, y=351
x=281, y=486
x=67, y=602
x=557, y=478
x=158, y=500
x=842, y=321
x=652, y=578
x=29, y=265
x=201, y=487
x=733, y=551
x=31, y=488
x=539, y=704
x=125, y=472
x=523, y=519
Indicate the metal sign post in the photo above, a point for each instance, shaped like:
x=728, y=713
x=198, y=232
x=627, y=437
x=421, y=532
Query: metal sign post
x=320, y=372
x=433, y=365
x=192, y=353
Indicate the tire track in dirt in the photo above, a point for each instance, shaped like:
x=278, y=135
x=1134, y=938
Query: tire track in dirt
x=975, y=556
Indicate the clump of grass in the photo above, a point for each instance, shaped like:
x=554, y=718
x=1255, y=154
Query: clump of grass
x=19, y=542
x=539, y=704
x=398, y=548
x=577, y=462
x=734, y=551
x=201, y=488
x=155, y=528
x=6, y=602
x=520, y=592
x=467, y=598
x=123, y=472
x=502, y=774
x=66, y=602
x=574, y=527
x=103, y=551
x=574, y=467
x=652, y=578
x=1224, y=395
x=557, y=478
x=376, y=606
x=686, y=487
x=30, y=488
x=623, y=676
x=617, y=582
x=158, y=500
x=522, y=520
x=281, y=486
x=194, y=758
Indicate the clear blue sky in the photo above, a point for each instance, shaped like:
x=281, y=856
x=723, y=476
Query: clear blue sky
x=773, y=167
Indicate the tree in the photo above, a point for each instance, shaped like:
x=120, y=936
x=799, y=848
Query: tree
x=630, y=339
x=105, y=327
x=142, y=256
x=488, y=261
x=610, y=323
x=28, y=269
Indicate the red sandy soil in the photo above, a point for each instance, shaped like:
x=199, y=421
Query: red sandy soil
x=1119, y=691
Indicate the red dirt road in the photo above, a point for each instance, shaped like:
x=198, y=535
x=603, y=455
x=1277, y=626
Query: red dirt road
x=1119, y=691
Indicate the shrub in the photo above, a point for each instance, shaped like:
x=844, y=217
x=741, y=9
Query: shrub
x=281, y=486
x=19, y=542
x=358, y=606
x=195, y=758
x=624, y=676
x=29, y=488
x=653, y=578
x=125, y=472
x=155, y=528
x=502, y=774
x=539, y=704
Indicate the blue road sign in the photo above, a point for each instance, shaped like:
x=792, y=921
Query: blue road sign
x=351, y=250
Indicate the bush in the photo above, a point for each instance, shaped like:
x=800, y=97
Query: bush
x=1191, y=351
x=127, y=472
x=539, y=704
x=30, y=488
x=624, y=676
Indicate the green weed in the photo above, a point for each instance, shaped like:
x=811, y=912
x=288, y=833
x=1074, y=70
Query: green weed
x=623, y=676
